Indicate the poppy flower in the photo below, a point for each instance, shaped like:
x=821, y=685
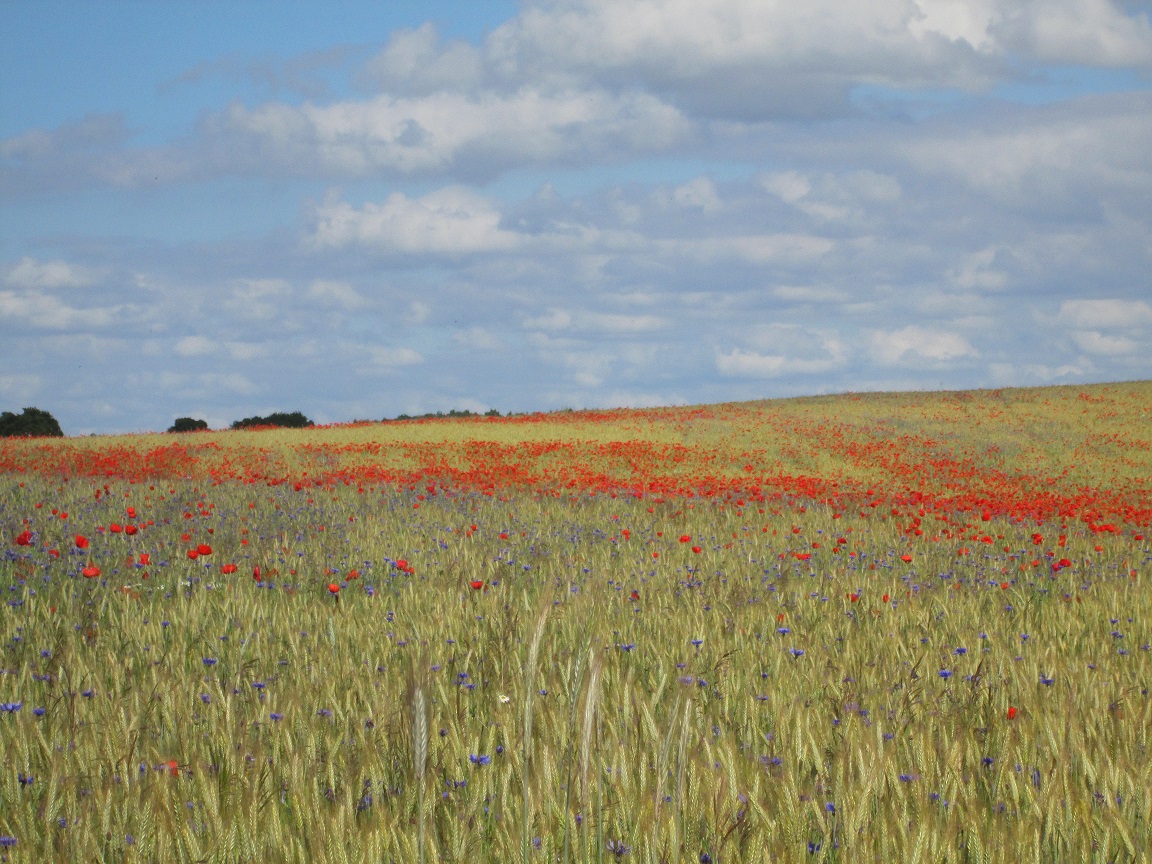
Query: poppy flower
x=635, y=595
x=173, y=768
x=855, y=597
x=24, y=538
x=333, y=588
x=90, y=572
x=145, y=558
x=353, y=574
x=1011, y=713
x=228, y=569
x=131, y=512
x=907, y=559
x=696, y=549
x=204, y=549
x=193, y=554
x=685, y=538
x=81, y=542
x=884, y=599
x=1003, y=586
x=116, y=528
x=477, y=584
x=256, y=573
x=130, y=530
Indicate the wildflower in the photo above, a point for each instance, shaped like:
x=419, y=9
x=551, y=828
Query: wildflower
x=504, y=700
x=333, y=588
x=275, y=717
x=945, y=673
x=685, y=538
x=24, y=538
x=477, y=584
x=209, y=661
x=884, y=599
x=797, y=652
x=7, y=841
x=81, y=542
x=11, y=707
x=617, y=848
x=696, y=549
x=1012, y=712
x=90, y=572
x=203, y=549
x=228, y=569
x=479, y=760
x=173, y=768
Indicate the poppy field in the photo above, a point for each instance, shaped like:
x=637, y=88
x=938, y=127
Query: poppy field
x=904, y=627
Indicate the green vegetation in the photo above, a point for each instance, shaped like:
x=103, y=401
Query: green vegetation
x=564, y=673
x=29, y=423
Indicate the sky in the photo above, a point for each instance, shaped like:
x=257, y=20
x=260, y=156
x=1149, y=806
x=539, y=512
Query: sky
x=354, y=209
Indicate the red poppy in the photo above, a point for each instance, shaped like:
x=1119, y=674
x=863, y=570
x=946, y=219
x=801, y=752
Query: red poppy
x=503, y=536
x=802, y=556
x=1011, y=713
x=24, y=538
x=204, y=549
x=115, y=527
x=779, y=617
x=333, y=588
x=885, y=599
x=855, y=597
x=90, y=572
x=635, y=595
x=477, y=584
x=130, y=530
x=81, y=542
x=1003, y=586
x=256, y=573
x=696, y=549
x=906, y=558
x=193, y=554
x=145, y=558
x=353, y=574
x=228, y=569
x=685, y=538
x=173, y=768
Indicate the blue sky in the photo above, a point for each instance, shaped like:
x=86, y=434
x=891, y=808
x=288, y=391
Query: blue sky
x=355, y=210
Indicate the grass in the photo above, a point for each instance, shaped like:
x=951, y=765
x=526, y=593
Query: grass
x=746, y=705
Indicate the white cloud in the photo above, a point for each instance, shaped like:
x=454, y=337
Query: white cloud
x=754, y=249
x=699, y=193
x=1106, y=313
x=446, y=130
x=479, y=339
x=195, y=346
x=892, y=347
x=30, y=274
x=560, y=319
x=448, y=221
x=335, y=293
x=391, y=357
x=40, y=310
x=754, y=365
x=1094, y=342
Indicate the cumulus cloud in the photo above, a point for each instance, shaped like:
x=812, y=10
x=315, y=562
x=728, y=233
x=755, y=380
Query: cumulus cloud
x=1106, y=313
x=47, y=311
x=30, y=274
x=448, y=221
x=919, y=343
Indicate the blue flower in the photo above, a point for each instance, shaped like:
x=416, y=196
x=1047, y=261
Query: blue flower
x=274, y=717
x=209, y=661
x=11, y=707
x=797, y=652
x=945, y=673
x=479, y=760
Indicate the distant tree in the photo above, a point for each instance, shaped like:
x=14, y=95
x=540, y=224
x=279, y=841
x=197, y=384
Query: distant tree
x=295, y=420
x=31, y=423
x=187, y=424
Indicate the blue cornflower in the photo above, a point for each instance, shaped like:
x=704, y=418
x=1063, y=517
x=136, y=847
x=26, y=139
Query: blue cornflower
x=11, y=707
x=479, y=760
x=39, y=712
x=945, y=673
x=205, y=698
x=783, y=631
x=797, y=652
x=697, y=642
x=7, y=841
x=1047, y=682
x=325, y=712
x=830, y=807
x=209, y=661
x=275, y=717
x=960, y=651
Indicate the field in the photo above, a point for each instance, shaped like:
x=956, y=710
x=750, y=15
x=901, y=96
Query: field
x=900, y=627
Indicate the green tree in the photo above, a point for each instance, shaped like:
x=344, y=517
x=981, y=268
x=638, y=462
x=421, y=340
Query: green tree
x=31, y=423
x=187, y=424
x=295, y=420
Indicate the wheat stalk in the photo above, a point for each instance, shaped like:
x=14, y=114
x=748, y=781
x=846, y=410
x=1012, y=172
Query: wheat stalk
x=529, y=685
